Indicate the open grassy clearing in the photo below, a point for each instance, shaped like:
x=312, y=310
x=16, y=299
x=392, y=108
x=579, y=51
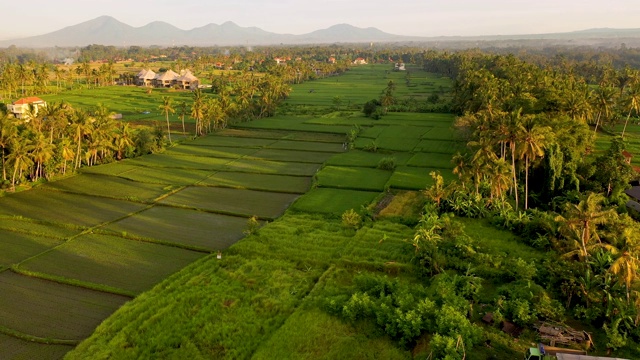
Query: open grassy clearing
x=110, y=186
x=47, y=309
x=272, y=167
x=266, y=205
x=291, y=155
x=16, y=247
x=58, y=207
x=132, y=266
x=14, y=348
x=333, y=201
x=264, y=182
x=183, y=227
x=308, y=337
x=343, y=177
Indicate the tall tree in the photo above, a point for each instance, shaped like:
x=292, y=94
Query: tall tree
x=167, y=109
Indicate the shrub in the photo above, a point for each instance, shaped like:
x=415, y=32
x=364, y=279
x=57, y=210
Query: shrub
x=351, y=219
x=252, y=226
x=371, y=147
x=387, y=163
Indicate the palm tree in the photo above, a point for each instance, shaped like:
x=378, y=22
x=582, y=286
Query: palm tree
x=627, y=263
x=20, y=158
x=514, y=126
x=632, y=102
x=437, y=191
x=580, y=222
x=182, y=112
x=42, y=151
x=197, y=110
x=8, y=132
x=166, y=109
x=533, y=142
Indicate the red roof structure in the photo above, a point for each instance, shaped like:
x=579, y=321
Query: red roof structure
x=28, y=100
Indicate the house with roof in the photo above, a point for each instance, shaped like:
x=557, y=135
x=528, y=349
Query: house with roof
x=145, y=77
x=360, y=61
x=165, y=79
x=187, y=80
x=24, y=107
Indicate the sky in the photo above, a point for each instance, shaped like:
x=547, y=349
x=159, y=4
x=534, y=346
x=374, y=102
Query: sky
x=406, y=17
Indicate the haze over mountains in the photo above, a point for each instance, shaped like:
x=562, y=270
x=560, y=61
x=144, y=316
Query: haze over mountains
x=106, y=30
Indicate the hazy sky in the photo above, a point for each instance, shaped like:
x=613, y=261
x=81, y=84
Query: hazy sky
x=402, y=17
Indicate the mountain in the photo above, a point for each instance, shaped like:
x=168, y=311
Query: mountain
x=106, y=30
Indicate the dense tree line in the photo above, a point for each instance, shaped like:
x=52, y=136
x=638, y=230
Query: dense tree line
x=58, y=138
x=530, y=134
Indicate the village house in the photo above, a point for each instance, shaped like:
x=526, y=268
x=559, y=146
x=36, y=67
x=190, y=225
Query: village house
x=21, y=108
x=169, y=78
x=360, y=61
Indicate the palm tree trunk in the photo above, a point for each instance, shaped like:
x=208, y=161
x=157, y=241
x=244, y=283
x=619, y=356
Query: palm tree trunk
x=526, y=182
x=625, y=123
x=513, y=169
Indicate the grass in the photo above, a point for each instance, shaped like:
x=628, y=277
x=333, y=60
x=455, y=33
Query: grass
x=353, y=178
x=240, y=202
x=129, y=265
x=183, y=227
x=333, y=201
x=313, y=334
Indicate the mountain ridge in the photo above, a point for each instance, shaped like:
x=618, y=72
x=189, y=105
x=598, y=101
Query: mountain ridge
x=106, y=30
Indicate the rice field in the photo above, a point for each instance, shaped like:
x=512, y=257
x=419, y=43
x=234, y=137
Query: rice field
x=93, y=241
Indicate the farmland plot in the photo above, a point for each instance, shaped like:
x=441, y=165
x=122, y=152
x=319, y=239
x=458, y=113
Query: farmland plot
x=51, y=310
x=264, y=182
x=268, y=205
x=183, y=227
x=16, y=247
x=129, y=265
x=57, y=207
